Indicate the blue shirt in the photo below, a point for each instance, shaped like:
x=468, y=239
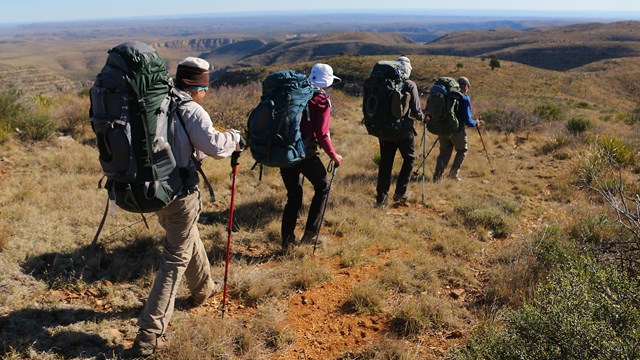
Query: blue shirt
x=464, y=113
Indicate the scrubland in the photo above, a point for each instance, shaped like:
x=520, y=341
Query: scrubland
x=537, y=260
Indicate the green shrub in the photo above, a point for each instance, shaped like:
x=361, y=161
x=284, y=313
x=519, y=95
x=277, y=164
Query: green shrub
x=582, y=105
x=35, y=127
x=10, y=105
x=578, y=124
x=616, y=150
x=584, y=312
x=549, y=111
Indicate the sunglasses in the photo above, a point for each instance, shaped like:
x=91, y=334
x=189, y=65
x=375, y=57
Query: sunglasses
x=201, y=88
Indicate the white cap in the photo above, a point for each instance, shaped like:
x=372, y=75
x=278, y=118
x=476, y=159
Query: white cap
x=322, y=76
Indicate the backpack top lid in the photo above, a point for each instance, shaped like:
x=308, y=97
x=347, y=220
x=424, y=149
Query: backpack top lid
x=284, y=81
x=387, y=70
x=135, y=55
x=444, y=85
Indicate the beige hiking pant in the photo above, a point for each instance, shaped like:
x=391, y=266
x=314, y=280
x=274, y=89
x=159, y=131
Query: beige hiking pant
x=183, y=254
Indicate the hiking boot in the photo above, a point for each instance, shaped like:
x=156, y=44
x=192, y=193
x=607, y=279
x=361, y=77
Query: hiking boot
x=309, y=238
x=381, y=201
x=401, y=197
x=199, y=299
x=455, y=177
x=148, y=343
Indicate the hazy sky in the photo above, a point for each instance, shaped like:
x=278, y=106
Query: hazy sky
x=20, y=11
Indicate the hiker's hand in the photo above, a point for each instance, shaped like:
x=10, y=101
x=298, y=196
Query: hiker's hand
x=234, y=158
x=337, y=160
x=479, y=123
x=241, y=144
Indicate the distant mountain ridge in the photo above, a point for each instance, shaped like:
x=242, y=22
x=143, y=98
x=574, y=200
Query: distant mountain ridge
x=555, y=48
x=560, y=48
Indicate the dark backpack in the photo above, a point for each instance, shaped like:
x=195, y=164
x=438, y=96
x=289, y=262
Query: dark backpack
x=130, y=110
x=274, y=124
x=384, y=105
x=442, y=105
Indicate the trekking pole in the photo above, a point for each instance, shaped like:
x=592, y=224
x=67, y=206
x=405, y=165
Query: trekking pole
x=234, y=166
x=104, y=218
x=333, y=169
x=415, y=173
x=424, y=157
x=493, y=170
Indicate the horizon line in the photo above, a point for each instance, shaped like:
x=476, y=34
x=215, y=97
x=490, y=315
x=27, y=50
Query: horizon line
x=490, y=13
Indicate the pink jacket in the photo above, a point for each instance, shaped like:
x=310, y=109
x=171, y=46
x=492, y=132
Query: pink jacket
x=318, y=127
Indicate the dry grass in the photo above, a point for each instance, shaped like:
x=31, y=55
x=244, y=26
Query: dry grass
x=480, y=237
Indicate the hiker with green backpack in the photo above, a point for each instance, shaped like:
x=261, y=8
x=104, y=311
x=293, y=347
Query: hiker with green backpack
x=314, y=129
x=183, y=252
x=459, y=113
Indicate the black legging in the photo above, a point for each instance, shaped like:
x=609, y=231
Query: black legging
x=387, y=155
x=315, y=172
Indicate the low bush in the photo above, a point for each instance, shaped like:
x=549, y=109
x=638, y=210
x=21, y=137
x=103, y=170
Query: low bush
x=549, y=111
x=578, y=124
x=616, y=150
x=35, y=127
x=520, y=266
x=510, y=120
x=486, y=217
x=585, y=312
x=553, y=144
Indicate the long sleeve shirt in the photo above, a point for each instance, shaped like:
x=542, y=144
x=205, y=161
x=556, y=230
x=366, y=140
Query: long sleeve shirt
x=205, y=139
x=414, y=105
x=318, y=126
x=464, y=113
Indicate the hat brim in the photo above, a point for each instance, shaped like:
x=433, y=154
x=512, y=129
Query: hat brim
x=336, y=79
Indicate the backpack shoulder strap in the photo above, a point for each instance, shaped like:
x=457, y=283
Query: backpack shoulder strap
x=178, y=100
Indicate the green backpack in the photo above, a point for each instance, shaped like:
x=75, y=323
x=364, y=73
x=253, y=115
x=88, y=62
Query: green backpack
x=130, y=113
x=442, y=105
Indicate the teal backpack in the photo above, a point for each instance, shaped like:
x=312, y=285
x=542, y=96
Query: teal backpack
x=130, y=111
x=442, y=105
x=273, y=126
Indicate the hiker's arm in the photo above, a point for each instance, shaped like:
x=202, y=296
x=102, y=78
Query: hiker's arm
x=321, y=121
x=206, y=138
x=465, y=114
x=414, y=105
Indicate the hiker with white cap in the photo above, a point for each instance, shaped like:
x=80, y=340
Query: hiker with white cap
x=184, y=253
x=457, y=140
x=315, y=132
x=404, y=143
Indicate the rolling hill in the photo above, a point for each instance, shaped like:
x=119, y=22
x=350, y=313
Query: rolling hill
x=558, y=48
